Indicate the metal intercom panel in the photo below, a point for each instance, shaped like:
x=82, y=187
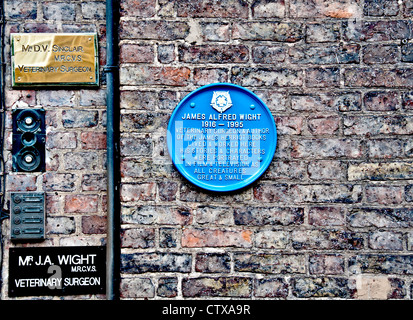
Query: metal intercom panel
x=27, y=216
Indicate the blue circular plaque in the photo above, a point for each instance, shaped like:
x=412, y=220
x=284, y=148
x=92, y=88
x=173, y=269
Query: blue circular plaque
x=221, y=137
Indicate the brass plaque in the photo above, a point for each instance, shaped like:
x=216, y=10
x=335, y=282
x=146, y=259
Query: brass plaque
x=49, y=59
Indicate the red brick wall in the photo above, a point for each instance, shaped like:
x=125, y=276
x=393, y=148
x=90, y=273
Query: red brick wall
x=332, y=216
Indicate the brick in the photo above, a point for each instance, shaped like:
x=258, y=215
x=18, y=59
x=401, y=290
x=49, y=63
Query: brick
x=328, y=264
x=381, y=217
x=322, y=32
x=81, y=160
x=65, y=98
x=332, y=54
x=258, y=77
x=93, y=10
x=381, y=171
x=59, y=181
x=167, y=190
x=378, y=8
x=143, y=122
x=384, y=195
x=260, y=216
x=381, y=101
x=138, y=191
x=322, y=77
x=407, y=100
x=212, y=9
x=271, y=31
x=136, y=145
x=271, y=288
x=326, y=170
x=268, y=9
x=21, y=182
x=150, y=75
x=80, y=118
x=324, y=125
x=380, y=263
x=168, y=238
x=328, y=147
x=215, y=31
x=170, y=215
x=143, y=8
x=94, y=224
x=381, y=30
x=142, y=238
x=341, y=9
x=153, y=30
x=198, y=238
x=269, y=54
x=409, y=192
x=346, y=101
x=271, y=239
x=138, y=100
x=204, y=76
x=94, y=182
x=386, y=240
x=61, y=140
x=81, y=203
x=381, y=54
x=322, y=287
x=286, y=170
x=374, y=125
x=289, y=125
x=371, y=287
x=384, y=148
x=166, y=53
x=407, y=53
x=167, y=287
x=136, y=53
x=155, y=262
x=213, y=262
x=213, y=54
x=20, y=9
x=214, y=215
x=59, y=11
x=327, y=216
x=269, y=263
x=60, y=225
x=217, y=287
x=93, y=140
x=137, y=288
x=327, y=239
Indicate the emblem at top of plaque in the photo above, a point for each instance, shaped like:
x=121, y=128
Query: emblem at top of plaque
x=221, y=101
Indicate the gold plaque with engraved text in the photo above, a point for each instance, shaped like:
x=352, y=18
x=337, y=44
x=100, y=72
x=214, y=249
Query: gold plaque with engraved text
x=48, y=59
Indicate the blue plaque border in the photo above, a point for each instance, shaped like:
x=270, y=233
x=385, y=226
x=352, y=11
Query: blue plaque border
x=266, y=161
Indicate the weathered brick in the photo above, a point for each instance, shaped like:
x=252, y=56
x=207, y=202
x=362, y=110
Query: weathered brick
x=81, y=203
x=384, y=195
x=143, y=122
x=166, y=53
x=213, y=54
x=94, y=224
x=320, y=8
x=93, y=140
x=259, y=216
x=153, y=30
x=322, y=32
x=380, y=171
x=381, y=263
x=143, y=238
x=327, y=264
x=20, y=9
x=167, y=287
x=212, y=9
x=385, y=148
x=138, y=100
x=270, y=263
x=328, y=147
x=150, y=75
x=59, y=181
x=204, y=76
x=322, y=77
x=271, y=288
x=59, y=11
x=215, y=31
x=81, y=160
x=332, y=54
x=377, y=8
x=168, y=238
x=197, y=238
x=155, y=262
x=60, y=225
x=381, y=101
x=269, y=54
x=286, y=170
x=136, y=53
x=213, y=262
x=380, y=30
x=381, y=54
x=93, y=10
x=289, y=125
x=138, y=191
x=61, y=140
x=324, y=125
x=143, y=8
x=94, y=182
x=136, y=145
x=381, y=217
x=169, y=215
x=407, y=53
x=137, y=288
x=322, y=287
x=327, y=216
x=268, y=9
x=240, y=287
x=271, y=239
x=386, y=240
x=214, y=215
x=21, y=183
x=167, y=190
x=80, y=118
x=373, y=125
x=272, y=31
x=373, y=77
x=346, y=101
x=258, y=77
x=327, y=239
